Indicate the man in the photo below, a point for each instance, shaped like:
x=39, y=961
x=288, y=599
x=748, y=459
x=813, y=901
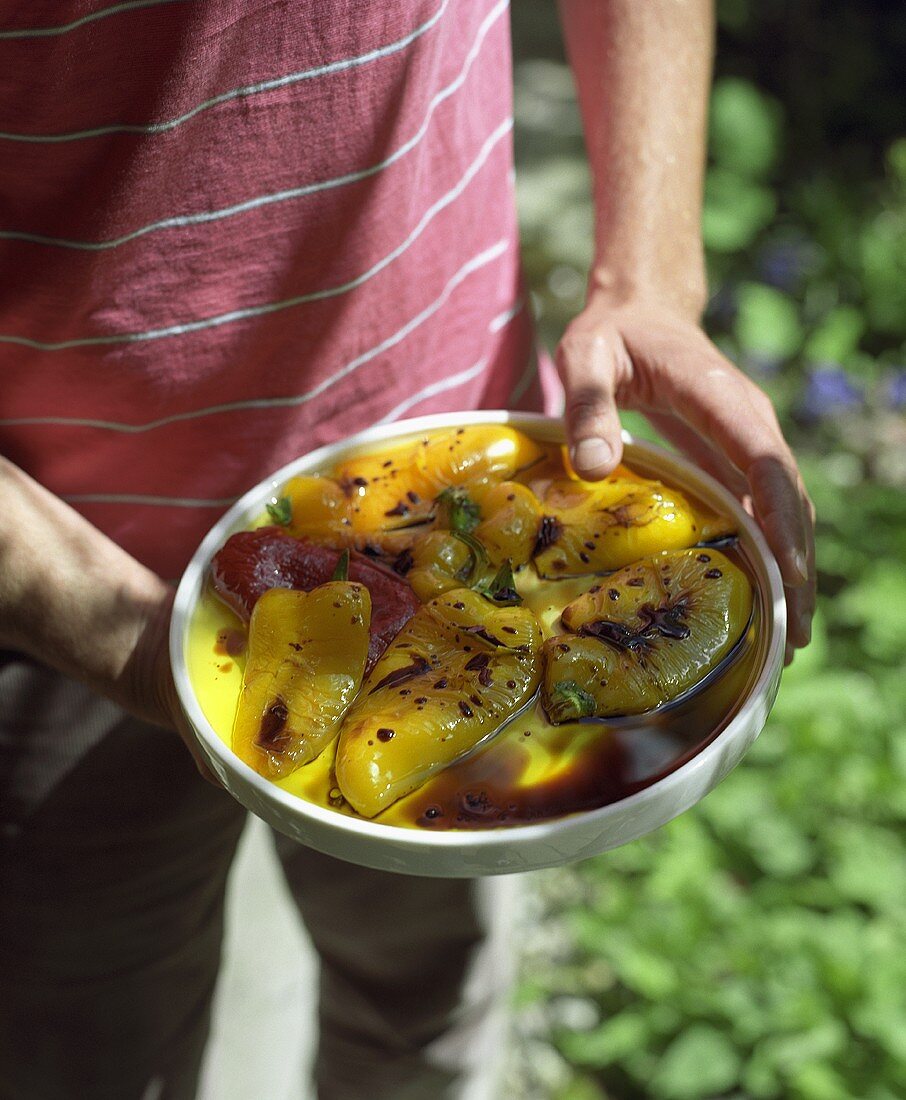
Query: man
x=231, y=232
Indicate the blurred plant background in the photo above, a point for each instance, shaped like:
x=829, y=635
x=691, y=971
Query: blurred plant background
x=756, y=947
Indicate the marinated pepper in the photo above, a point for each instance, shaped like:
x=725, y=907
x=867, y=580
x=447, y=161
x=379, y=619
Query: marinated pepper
x=251, y=562
x=454, y=675
x=645, y=634
x=306, y=659
x=384, y=500
x=594, y=527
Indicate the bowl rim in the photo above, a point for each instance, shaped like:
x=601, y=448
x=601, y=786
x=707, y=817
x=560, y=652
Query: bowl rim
x=540, y=425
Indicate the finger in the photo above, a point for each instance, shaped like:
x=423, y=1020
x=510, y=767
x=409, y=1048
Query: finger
x=691, y=444
x=205, y=772
x=780, y=510
x=586, y=362
x=730, y=413
x=801, y=600
x=201, y=764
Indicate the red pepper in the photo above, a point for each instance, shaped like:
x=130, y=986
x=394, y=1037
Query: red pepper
x=250, y=562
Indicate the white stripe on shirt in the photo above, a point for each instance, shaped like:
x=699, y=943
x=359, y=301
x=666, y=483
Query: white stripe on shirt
x=65, y=28
x=482, y=259
x=236, y=93
x=139, y=498
x=441, y=386
x=453, y=380
x=178, y=221
x=181, y=329
x=431, y=390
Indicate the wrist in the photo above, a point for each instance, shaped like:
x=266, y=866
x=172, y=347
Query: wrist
x=682, y=294
x=73, y=599
x=144, y=684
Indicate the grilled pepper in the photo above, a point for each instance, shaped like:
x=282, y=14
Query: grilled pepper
x=594, y=527
x=645, y=634
x=384, y=500
x=453, y=676
x=306, y=659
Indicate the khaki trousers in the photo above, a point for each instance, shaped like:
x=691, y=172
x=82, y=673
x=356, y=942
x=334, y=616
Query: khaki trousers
x=114, y=856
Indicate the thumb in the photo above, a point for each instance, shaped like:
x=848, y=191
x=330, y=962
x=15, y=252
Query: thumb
x=586, y=362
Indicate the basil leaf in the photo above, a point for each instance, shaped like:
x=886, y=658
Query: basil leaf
x=341, y=571
x=579, y=701
x=281, y=511
x=502, y=589
x=478, y=557
x=463, y=513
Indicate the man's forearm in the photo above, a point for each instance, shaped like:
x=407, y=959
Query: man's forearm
x=642, y=71
x=72, y=598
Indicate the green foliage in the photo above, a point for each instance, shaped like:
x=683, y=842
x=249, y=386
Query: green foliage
x=736, y=211
x=744, y=128
x=767, y=321
x=756, y=946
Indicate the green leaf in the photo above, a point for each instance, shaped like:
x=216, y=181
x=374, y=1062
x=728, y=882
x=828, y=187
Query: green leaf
x=745, y=128
x=767, y=321
x=581, y=1088
x=607, y=1043
x=341, y=571
x=280, y=510
x=580, y=702
x=463, y=513
x=896, y=159
x=502, y=589
x=701, y=1062
x=837, y=337
x=857, y=852
x=877, y=602
x=819, y=1081
x=478, y=557
x=735, y=211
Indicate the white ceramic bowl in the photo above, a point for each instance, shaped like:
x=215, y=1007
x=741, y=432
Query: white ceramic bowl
x=494, y=851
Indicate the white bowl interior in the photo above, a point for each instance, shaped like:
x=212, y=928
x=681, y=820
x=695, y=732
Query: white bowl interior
x=454, y=853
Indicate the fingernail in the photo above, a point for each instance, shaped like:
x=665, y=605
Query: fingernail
x=800, y=566
x=591, y=453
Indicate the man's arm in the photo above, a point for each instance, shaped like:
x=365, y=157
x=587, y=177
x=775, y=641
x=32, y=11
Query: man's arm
x=74, y=600
x=642, y=71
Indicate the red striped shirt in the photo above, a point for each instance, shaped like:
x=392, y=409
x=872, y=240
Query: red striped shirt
x=232, y=232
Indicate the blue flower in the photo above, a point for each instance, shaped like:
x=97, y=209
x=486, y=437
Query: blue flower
x=828, y=390
x=895, y=390
x=784, y=263
x=759, y=363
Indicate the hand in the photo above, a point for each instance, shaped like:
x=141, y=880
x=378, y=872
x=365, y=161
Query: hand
x=76, y=601
x=146, y=686
x=637, y=356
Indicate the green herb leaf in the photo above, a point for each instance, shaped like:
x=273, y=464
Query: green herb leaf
x=281, y=511
x=576, y=698
x=341, y=572
x=502, y=589
x=463, y=513
x=478, y=558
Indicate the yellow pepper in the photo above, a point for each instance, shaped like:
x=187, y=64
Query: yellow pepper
x=386, y=499
x=306, y=659
x=481, y=525
x=594, y=527
x=645, y=634
x=452, y=677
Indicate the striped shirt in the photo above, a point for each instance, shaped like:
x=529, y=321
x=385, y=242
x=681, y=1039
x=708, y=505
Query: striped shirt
x=231, y=232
